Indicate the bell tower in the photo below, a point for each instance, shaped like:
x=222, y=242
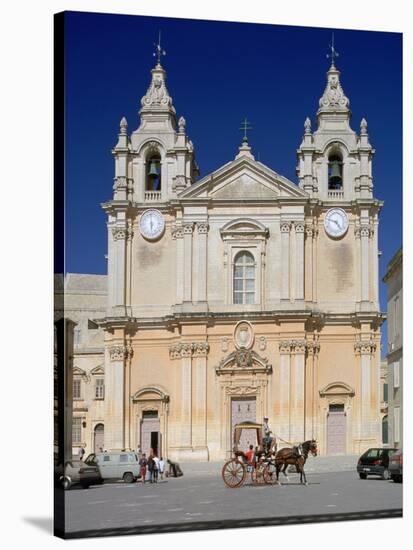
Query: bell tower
x=157, y=161
x=334, y=163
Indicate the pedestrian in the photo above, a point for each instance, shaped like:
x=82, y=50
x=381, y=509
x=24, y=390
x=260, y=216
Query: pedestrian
x=161, y=467
x=143, y=465
x=81, y=453
x=139, y=452
x=155, y=468
x=150, y=467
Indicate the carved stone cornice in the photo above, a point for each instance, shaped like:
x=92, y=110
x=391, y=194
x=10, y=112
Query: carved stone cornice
x=189, y=349
x=365, y=347
x=120, y=352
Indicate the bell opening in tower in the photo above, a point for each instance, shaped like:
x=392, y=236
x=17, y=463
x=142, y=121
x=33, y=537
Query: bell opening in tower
x=153, y=173
x=335, y=172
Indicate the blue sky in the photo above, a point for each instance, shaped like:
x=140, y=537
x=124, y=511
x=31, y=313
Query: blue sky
x=219, y=73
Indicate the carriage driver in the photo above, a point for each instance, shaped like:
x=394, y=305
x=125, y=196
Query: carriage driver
x=267, y=439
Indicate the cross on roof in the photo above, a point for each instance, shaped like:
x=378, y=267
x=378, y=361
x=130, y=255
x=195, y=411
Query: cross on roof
x=159, y=50
x=245, y=126
x=334, y=52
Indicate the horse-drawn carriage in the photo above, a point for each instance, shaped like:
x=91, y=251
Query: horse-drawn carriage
x=266, y=464
x=261, y=468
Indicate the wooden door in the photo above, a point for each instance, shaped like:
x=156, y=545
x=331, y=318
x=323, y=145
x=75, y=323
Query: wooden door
x=336, y=430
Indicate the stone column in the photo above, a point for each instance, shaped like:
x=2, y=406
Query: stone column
x=311, y=393
x=186, y=395
x=188, y=230
x=298, y=391
x=285, y=260
x=365, y=348
x=199, y=401
x=299, y=258
x=177, y=234
x=284, y=386
x=202, y=261
x=115, y=396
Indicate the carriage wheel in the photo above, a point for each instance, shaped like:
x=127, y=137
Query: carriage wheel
x=257, y=475
x=233, y=473
x=270, y=473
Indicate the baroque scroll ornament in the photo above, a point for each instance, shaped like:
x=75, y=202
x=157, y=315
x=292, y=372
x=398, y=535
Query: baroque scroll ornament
x=333, y=96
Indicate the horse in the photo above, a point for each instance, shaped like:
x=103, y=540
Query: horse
x=287, y=456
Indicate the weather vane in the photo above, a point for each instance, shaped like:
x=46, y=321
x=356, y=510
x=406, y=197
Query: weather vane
x=245, y=126
x=159, y=50
x=334, y=52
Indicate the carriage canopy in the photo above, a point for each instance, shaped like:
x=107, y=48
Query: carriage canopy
x=247, y=426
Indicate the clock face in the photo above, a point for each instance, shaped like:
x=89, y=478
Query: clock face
x=336, y=222
x=152, y=224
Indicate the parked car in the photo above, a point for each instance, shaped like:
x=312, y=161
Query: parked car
x=77, y=472
x=396, y=466
x=116, y=465
x=375, y=462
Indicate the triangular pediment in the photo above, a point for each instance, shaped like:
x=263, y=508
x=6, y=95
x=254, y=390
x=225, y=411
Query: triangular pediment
x=243, y=179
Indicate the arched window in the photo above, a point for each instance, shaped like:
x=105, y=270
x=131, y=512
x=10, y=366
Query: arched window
x=244, y=278
x=335, y=172
x=153, y=173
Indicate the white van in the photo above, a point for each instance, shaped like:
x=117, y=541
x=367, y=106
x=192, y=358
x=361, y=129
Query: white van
x=116, y=465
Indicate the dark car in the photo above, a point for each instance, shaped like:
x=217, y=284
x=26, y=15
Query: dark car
x=77, y=472
x=375, y=462
x=396, y=466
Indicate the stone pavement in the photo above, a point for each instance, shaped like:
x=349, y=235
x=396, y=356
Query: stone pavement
x=318, y=464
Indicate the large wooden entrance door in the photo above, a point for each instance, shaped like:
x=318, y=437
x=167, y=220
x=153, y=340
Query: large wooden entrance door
x=336, y=430
x=99, y=435
x=243, y=410
x=150, y=433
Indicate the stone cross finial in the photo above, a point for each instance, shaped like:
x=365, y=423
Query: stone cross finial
x=245, y=126
x=307, y=126
x=334, y=52
x=363, y=126
x=123, y=125
x=159, y=50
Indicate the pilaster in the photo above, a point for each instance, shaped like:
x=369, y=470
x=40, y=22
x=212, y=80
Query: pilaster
x=285, y=260
x=188, y=228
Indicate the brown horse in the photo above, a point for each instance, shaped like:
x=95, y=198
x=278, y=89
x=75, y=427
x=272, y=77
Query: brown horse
x=287, y=456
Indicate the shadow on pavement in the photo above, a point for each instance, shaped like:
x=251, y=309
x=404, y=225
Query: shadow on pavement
x=44, y=524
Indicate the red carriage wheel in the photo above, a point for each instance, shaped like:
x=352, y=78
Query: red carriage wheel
x=233, y=473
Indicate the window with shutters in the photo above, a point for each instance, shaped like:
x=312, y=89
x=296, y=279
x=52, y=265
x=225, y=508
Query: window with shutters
x=77, y=388
x=77, y=430
x=99, y=388
x=396, y=374
x=244, y=278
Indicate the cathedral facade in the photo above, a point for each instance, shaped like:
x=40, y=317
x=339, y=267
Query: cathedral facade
x=241, y=294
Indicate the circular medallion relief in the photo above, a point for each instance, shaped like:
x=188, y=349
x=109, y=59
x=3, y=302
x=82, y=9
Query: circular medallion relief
x=243, y=335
